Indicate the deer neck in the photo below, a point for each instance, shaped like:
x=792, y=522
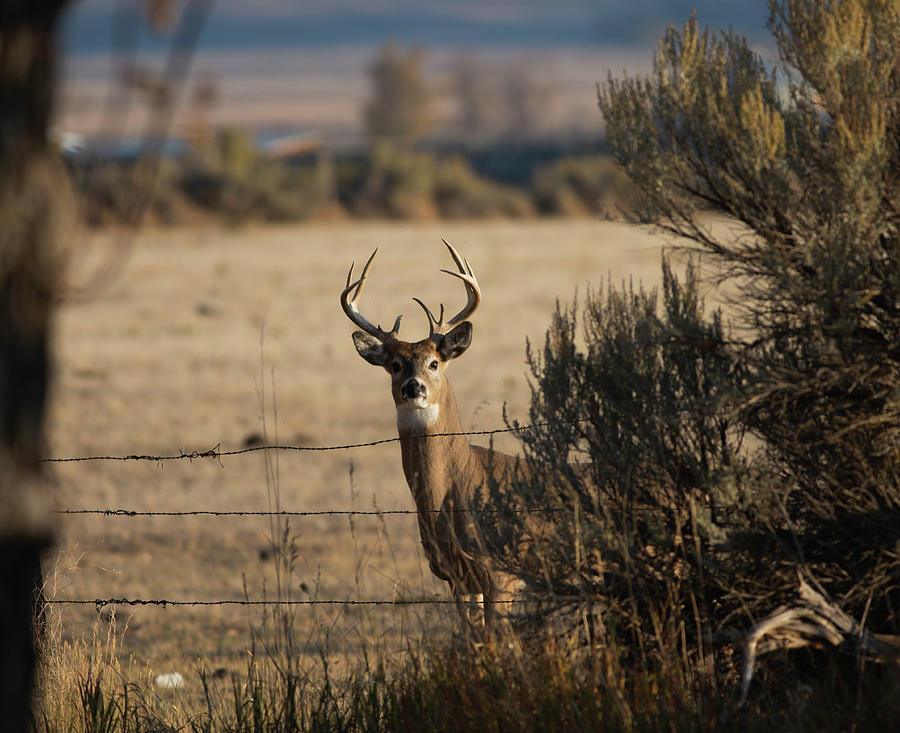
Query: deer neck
x=436, y=458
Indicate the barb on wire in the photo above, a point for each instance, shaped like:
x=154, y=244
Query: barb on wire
x=217, y=453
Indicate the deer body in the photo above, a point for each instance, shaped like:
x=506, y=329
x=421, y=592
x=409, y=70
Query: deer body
x=445, y=474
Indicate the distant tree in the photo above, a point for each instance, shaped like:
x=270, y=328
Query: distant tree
x=399, y=110
x=475, y=98
x=526, y=102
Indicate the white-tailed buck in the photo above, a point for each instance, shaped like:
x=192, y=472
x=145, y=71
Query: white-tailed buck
x=445, y=474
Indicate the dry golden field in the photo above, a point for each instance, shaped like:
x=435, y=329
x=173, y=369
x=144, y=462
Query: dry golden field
x=180, y=351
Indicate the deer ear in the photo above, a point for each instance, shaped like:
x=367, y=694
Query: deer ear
x=455, y=342
x=370, y=348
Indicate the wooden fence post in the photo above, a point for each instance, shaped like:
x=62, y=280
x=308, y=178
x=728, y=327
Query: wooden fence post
x=33, y=197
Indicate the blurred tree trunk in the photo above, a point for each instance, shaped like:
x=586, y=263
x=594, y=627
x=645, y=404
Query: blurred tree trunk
x=32, y=200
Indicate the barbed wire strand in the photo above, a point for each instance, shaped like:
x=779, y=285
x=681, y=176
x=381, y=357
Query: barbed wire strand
x=163, y=602
x=100, y=603
x=289, y=513
x=217, y=453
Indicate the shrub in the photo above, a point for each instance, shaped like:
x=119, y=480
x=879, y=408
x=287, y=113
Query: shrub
x=808, y=168
x=640, y=496
x=459, y=192
x=583, y=185
x=396, y=183
x=405, y=184
x=233, y=179
x=669, y=535
x=123, y=192
x=223, y=175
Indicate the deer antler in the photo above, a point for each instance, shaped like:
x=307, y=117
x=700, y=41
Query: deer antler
x=349, y=305
x=437, y=326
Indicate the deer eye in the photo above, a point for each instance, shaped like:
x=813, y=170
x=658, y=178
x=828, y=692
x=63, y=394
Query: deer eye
x=433, y=365
x=396, y=367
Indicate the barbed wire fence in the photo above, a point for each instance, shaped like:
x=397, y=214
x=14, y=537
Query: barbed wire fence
x=216, y=453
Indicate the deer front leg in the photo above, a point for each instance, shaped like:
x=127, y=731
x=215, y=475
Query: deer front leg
x=503, y=595
x=470, y=607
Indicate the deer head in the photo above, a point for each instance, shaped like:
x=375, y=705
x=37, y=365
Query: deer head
x=416, y=368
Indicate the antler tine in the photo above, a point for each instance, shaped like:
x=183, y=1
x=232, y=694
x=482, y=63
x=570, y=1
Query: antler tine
x=461, y=262
x=435, y=325
x=348, y=303
x=467, y=275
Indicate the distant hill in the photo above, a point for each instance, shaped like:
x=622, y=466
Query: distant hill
x=244, y=24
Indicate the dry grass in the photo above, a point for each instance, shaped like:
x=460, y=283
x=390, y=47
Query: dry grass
x=169, y=357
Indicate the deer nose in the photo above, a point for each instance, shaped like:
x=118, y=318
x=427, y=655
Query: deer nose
x=412, y=388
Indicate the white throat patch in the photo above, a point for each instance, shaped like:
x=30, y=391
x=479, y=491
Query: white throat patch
x=412, y=419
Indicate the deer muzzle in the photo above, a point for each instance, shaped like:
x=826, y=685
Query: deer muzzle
x=413, y=390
